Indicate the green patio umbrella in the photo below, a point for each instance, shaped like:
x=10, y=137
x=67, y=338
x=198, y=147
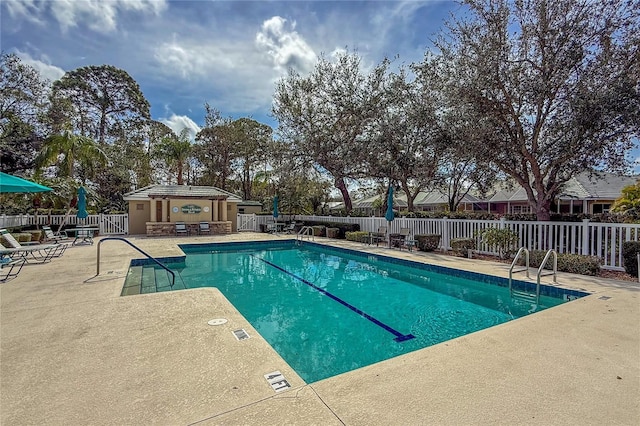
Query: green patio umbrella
x=82, y=203
x=275, y=208
x=14, y=184
x=389, y=214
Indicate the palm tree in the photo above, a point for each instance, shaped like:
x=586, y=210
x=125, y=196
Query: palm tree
x=175, y=151
x=68, y=150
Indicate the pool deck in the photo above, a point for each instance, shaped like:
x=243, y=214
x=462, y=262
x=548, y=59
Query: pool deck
x=73, y=352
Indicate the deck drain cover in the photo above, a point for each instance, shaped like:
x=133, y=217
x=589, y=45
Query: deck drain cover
x=217, y=321
x=277, y=381
x=604, y=297
x=241, y=334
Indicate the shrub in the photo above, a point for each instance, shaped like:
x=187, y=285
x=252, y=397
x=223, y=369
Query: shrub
x=503, y=240
x=630, y=250
x=461, y=246
x=343, y=228
x=357, y=236
x=319, y=230
x=332, y=232
x=427, y=242
x=567, y=262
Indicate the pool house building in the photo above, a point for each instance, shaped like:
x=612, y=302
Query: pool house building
x=154, y=210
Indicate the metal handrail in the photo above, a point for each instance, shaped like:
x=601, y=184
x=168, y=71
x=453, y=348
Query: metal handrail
x=555, y=266
x=513, y=264
x=306, y=230
x=173, y=275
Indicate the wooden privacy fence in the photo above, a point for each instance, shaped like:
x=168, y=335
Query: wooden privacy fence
x=109, y=224
x=603, y=240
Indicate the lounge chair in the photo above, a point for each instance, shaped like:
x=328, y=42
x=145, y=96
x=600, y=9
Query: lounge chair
x=290, y=228
x=204, y=228
x=50, y=236
x=181, y=229
x=380, y=236
x=39, y=253
x=8, y=265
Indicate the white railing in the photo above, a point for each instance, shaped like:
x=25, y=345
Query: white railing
x=603, y=240
x=109, y=224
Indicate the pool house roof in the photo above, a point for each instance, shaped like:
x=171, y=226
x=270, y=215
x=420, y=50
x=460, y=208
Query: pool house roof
x=181, y=191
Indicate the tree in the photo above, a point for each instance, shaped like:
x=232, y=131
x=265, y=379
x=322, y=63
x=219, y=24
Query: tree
x=326, y=116
x=407, y=144
x=176, y=151
x=629, y=201
x=552, y=87
x=251, y=140
x=76, y=157
x=23, y=97
x=215, y=149
x=100, y=96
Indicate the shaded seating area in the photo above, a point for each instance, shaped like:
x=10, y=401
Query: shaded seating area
x=38, y=253
x=83, y=236
x=204, y=228
x=380, y=236
x=182, y=229
x=402, y=239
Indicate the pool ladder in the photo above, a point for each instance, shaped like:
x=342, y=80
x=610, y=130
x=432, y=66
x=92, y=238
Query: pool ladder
x=525, y=295
x=305, y=230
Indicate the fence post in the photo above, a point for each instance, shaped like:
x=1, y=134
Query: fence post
x=585, y=236
x=445, y=234
x=503, y=223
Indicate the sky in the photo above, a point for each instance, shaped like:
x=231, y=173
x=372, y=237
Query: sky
x=229, y=54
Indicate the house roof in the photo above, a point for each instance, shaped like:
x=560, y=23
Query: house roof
x=250, y=203
x=584, y=186
x=606, y=186
x=181, y=191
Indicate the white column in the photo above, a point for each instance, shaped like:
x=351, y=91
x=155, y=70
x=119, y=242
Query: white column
x=223, y=207
x=164, y=211
x=152, y=213
x=214, y=213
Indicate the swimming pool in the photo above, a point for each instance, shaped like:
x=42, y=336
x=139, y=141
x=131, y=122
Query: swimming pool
x=327, y=311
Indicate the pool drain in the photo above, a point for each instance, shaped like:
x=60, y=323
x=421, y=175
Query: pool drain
x=241, y=334
x=217, y=321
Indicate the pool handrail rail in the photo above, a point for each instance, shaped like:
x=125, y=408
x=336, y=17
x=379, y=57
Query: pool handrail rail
x=173, y=275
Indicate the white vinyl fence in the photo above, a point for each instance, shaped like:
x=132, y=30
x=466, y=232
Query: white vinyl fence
x=603, y=240
x=109, y=224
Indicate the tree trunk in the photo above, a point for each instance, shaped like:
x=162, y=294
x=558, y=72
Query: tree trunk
x=339, y=184
x=180, y=179
x=543, y=210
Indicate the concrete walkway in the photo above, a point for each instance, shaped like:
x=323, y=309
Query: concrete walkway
x=72, y=352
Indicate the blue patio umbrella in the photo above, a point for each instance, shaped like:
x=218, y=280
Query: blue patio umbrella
x=389, y=214
x=82, y=204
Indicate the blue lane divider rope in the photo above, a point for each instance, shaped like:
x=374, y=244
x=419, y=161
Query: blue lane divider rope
x=399, y=336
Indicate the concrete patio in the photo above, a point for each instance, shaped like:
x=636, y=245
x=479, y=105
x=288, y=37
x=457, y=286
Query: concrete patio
x=72, y=352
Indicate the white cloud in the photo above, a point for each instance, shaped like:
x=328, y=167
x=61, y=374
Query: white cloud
x=286, y=48
x=231, y=75
x=98, y=15
x=46, y=70
x=28, y=9
x=177, y=123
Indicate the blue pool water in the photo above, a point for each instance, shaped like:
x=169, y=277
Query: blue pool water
x=327, y=312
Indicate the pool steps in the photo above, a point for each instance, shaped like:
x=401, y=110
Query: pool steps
x=143, y=279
